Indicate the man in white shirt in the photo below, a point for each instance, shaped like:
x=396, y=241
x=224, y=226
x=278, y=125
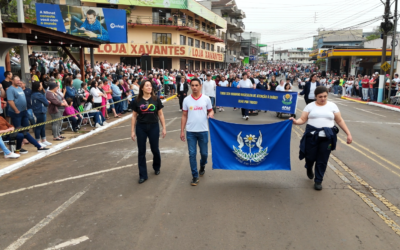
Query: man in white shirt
x=197, y=108
x=209, y=87
x=397, y=80
x=245, y=83
x=223, y=83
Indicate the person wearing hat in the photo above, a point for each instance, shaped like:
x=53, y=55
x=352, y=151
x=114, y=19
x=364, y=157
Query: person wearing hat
x=56, y=109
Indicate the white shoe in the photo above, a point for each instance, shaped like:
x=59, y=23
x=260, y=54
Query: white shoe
x=247, y=118
x=47, y=143
x=223, y=109
x=244, y=117
x=42, y=145
x=98, y=125
x=12, y=156
x=180, y=110
x=105, y=123
x=220, y=110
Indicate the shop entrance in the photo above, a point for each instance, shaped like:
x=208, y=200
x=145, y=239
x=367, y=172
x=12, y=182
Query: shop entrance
x=133, y=61
x=162, y=63
x=182, y=64
x=197, y=67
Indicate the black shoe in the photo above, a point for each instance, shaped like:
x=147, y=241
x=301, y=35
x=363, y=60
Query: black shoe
x=310, y=173
x=43, y=149
x=23, y=151
x=157, y=172
x=318, y=186
x=194, y=181
x=123, y=112
x=75, y=130
x=202, y=171
x=142, y=180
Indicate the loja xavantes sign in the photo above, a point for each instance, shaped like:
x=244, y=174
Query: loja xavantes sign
x=127, y=49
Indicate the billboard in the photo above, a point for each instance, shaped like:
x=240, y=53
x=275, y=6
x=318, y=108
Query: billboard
x=191, y=5
x=99, y=24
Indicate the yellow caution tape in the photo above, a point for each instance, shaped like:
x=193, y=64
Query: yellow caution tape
x=58, y=119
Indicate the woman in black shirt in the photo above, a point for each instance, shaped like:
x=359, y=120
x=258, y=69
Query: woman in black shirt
x=147, y=111
x=273, y=83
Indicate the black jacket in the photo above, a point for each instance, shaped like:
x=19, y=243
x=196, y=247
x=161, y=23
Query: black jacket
x=185, y=88
x=306, y=90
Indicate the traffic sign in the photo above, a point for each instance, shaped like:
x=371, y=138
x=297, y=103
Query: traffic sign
x=385, y=66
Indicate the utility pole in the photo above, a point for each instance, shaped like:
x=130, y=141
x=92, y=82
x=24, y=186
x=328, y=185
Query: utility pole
x=394, y=39
x=383, y=59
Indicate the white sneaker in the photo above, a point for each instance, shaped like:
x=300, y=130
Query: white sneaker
x=42, y=145
x=244, y=117
x=223, y=109
x=180, y=110
x=12, y=156
x=47, y=143
x=219, y=109
x=98, y=125
x=247, y=118
x=105, y=123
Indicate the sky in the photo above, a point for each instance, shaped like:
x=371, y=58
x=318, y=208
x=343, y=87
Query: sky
x=291, y=23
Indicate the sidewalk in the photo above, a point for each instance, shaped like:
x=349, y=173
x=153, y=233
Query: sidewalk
x=377, y=104
x=9, y=165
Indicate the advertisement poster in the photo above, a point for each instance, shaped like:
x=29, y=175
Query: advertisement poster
x=99, y=24
x=191, y=5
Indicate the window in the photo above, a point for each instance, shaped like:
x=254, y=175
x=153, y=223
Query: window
x=203, y=45
x=197, y=43
x=197, y=24
x=208, y=46
x=183, y=40
x=218, y=48
x=190, y=41
x=212, y=47
x=160, y=16
x=162, y=38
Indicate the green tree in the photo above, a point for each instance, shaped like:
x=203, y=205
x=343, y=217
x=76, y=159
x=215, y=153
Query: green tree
x=10, y=7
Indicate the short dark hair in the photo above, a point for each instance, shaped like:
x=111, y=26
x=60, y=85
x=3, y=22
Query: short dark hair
x=91, y=12
x=244, y=74
x=69, y=101
x=195, y=79
x=35, y=86
x=320, y=90
x=7, y=73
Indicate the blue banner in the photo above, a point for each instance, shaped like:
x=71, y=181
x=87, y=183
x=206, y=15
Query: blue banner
x=250, y=147
x=257, y=99
x=102, y=25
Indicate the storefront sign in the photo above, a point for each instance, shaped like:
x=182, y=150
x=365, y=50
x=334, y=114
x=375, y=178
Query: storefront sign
x=158, y=50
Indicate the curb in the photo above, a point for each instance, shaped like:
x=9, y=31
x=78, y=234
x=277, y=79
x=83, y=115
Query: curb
x=384, y=106
x=63, y=145
x=350, y=99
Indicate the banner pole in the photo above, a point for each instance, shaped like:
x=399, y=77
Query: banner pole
x=297, y=100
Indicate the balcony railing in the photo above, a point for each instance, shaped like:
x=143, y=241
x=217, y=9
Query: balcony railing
x=172, y=21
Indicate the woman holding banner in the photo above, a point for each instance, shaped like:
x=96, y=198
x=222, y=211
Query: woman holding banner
x=320, y=136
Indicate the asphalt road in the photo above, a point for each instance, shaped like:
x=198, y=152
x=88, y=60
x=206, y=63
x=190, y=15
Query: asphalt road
x=87, y=196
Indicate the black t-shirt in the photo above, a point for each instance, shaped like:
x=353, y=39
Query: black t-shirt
x=376, y=85
x=28, y=94
x=252, y=80
x=147, y=110
x=6, y=84
x=273, y=85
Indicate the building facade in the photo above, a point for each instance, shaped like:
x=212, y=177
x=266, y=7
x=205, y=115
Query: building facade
x=235, y=27
x=296, y=55
x=249, y=47
x=179, y=35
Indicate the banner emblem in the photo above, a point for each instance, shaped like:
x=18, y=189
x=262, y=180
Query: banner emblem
x=287, y=99
x=251, y=158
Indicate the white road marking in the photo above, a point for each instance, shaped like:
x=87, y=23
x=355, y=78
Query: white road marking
x=369, y=112
x=172, y=120
x=25, y=237
x=69, y=243
x=97, y=144
x=368, y=122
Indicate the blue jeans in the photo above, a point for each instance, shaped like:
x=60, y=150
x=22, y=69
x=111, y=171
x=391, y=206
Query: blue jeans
x=151, y=131
x=371, y=95
x=194, y=138
x=212, y=101
x=20, y=137
x=111, y=102
x=30, y=116
x=19, y=120
x=98, y=117
x=3, y=147
x=75, y=122
x=125, y=105
x=335, y=89
x=118, y=106
x=75, y=21
x=40, y=131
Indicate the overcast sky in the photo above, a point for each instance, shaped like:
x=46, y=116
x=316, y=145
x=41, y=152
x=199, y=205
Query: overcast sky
x=288, y=23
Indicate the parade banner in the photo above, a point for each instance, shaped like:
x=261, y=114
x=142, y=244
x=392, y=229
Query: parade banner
x=257, y=99
x=250, y=147
x=99, y=24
